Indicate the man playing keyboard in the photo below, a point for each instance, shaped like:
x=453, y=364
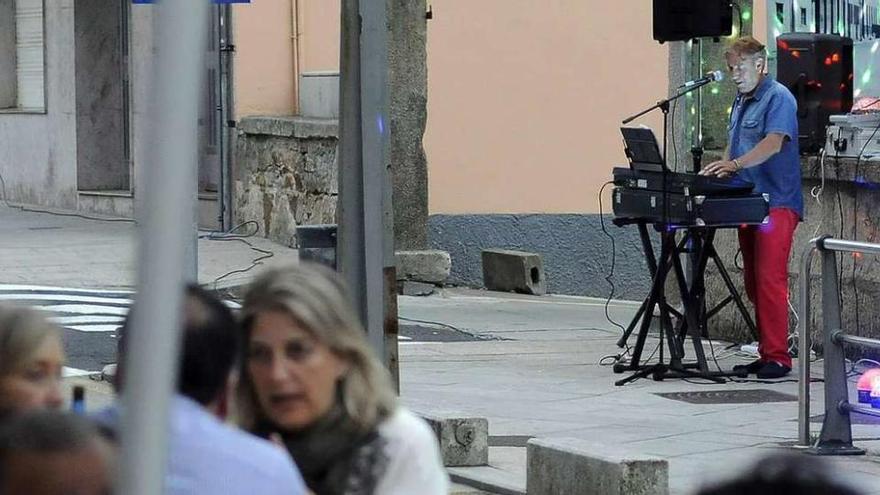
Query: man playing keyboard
x=763, y=149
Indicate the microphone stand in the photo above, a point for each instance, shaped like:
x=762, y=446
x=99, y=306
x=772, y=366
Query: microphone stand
x=667, y=231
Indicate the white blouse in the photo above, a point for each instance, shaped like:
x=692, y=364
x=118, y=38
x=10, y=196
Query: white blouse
x=413, y=452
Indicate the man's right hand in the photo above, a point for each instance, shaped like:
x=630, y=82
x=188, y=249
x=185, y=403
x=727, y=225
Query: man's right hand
x=721, y=168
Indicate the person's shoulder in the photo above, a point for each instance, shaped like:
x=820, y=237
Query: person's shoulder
x=206, y=451
x=236, y=450
x=778, y=90
x=403, y=424
x=262, y=454
x=414, y=454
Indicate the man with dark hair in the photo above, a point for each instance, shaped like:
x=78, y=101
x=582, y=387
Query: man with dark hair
x=762, y=148
x=784, y=474
x=206, y=455
x=52, y=453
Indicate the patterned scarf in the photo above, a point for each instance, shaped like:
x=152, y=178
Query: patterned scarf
x=334, y=457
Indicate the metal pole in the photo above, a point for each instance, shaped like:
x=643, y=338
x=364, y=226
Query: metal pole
x=351, y=177
x=851, y=246
x=366, y=255
x=375, y=129
x=151, y=363
x=804, y=346
x=227, y=47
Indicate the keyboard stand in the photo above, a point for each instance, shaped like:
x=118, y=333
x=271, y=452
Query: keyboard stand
x=691, y=322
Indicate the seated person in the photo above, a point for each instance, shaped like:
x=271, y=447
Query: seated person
x=206, y=455
x=31, y=359
x=52, y=453
x=310, y=377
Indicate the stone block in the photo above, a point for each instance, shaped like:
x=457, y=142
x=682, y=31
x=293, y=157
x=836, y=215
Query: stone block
x=413, y=288
x=430, y=265
x=464, y=441
x=518, y=271
x=576, y=466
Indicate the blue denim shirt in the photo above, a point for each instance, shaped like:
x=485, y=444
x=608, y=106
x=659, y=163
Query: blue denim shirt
x=772, y=108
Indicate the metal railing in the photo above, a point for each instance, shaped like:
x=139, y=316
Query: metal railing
x=836, y=435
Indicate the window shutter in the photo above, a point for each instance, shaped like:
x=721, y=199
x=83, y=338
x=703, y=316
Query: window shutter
x=29, y=54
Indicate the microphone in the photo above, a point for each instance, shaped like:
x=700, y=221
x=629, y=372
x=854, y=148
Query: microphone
x=712, y=76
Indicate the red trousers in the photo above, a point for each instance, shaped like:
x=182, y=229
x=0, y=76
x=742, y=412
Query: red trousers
x=765, y=249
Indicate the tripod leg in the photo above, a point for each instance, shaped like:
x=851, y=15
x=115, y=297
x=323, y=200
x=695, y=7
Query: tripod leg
x=656, y=295
x=632, y=325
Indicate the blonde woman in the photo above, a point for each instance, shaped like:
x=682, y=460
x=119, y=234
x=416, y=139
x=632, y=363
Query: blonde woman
x=310, y=379
x=31, y=360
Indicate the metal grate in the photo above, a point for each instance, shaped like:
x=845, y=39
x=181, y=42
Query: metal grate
x=757, y=396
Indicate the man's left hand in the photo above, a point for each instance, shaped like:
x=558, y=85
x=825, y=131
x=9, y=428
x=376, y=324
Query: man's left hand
x=721, y=168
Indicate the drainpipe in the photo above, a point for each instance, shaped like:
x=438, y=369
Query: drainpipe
x=295, y=23
x=227, y=114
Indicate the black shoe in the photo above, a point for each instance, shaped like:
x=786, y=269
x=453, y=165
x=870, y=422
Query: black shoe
x=751, y=368
x=773, y=370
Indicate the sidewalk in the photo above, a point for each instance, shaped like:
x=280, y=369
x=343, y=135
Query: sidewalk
x=544, y=380
x=536, y=374
x=72, y=252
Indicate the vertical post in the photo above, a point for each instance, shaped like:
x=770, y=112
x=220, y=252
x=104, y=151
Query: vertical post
x=351, y=177
x=169, y=190
x=227, y=114
x=366, y=256
x=836, y=436
x=381, y=296
x=804, y=346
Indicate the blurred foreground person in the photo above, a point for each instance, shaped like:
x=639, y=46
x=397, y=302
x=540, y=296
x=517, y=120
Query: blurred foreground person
x=51, y=453
x=785, y=474
x=207, y=456
x=31, y=360
x=310, y=378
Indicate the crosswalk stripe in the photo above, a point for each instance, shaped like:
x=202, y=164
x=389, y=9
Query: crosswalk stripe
x=83, y=310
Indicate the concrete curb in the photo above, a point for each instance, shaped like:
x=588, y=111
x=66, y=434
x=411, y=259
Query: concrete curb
x=486, y=478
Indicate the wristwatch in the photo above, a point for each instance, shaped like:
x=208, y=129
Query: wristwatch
x=737, y=164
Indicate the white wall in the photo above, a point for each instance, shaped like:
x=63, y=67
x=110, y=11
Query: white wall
x=38, y=151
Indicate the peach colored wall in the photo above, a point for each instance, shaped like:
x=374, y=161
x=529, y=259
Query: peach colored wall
x=759, y=19
x=526, y=99
x=319, y=34
x=264, y=58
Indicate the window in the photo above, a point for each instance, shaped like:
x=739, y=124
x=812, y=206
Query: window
x=22, y=67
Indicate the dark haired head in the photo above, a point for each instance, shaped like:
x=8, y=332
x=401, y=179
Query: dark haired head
x=209, y=346
x=785, y=474
x=48, y=451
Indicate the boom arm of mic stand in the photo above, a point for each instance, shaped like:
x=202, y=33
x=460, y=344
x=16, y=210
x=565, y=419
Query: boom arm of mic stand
x=665, y=102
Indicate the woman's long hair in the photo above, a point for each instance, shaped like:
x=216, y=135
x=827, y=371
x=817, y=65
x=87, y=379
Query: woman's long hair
x=22, y=331
x=315, y=298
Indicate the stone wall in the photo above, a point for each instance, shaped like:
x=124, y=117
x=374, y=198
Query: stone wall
x=285, y=174
x=847, y=208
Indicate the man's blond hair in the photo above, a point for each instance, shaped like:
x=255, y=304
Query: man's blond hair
x=746, y=46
